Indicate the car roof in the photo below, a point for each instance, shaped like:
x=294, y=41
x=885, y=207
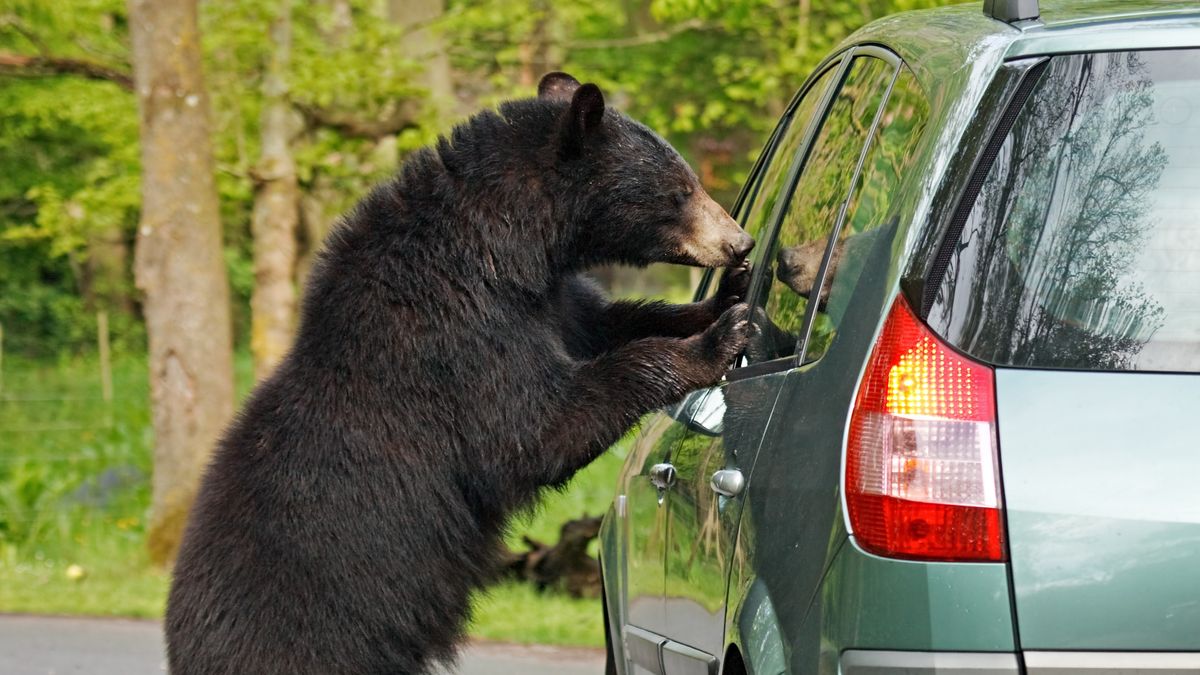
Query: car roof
x=1080, y=12
x=937, y=42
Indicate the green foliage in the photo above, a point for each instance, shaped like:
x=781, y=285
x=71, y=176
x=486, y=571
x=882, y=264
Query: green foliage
x=73, y=490
x=359, y=70
x=80, y=168
x=68, y=171
x=711, y=76
x=73, y=177
x=514, y=612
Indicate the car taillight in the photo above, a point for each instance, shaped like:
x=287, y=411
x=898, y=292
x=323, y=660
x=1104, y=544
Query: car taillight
x=922, y=477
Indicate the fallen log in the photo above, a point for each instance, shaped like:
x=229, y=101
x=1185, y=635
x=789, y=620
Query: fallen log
x=565, y=566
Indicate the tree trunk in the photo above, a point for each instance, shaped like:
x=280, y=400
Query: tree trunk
x=425, y=45
x=315, y=222
x=106, y=273
x=533, y=52
x=178, y=263
x=276, y=210
x=342, y=21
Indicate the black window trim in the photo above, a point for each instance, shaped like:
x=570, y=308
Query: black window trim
x=940, y=263
x=801, y=159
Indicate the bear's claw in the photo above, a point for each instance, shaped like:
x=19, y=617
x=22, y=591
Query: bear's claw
x=727, y=337
x=733, y=287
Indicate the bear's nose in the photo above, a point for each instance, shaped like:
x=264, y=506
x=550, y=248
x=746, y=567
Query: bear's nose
x=741, y=246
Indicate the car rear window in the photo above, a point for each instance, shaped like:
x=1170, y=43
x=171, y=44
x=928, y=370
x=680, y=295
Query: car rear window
x=1082, y=249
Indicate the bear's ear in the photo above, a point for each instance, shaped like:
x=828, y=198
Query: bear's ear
x=557, y=86
x=586, y=113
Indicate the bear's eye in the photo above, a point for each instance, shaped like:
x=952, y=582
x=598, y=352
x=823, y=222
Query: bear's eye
x=680, y=198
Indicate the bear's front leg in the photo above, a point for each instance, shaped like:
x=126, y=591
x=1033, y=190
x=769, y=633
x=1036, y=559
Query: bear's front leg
x=629, y=320
x=610, y=393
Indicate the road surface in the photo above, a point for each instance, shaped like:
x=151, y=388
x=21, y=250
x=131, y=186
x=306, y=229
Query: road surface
x=38, y=645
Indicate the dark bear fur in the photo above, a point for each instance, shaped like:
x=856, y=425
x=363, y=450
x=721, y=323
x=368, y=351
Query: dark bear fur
x=450, y=363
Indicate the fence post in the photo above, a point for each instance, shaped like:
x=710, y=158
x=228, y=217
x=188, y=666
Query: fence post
x=105, y=356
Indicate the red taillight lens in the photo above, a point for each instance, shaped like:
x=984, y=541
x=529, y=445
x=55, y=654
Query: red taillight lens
x=922, y=478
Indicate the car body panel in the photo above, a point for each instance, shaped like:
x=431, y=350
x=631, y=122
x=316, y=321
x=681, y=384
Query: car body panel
x=1166, y=33
x=872, y=603
x=938, y=42
x=1099, y=475
x=776, y=580
x=914, y=606
x=956, y=57
x=1073, y=13
x=611, y=553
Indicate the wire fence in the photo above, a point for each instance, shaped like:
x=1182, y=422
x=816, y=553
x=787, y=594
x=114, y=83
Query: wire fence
x=75, y=442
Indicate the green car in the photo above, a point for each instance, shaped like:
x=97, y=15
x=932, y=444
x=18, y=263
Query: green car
x=961, y=439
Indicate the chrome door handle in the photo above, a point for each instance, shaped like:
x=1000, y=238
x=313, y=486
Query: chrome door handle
x=728, y=482
x=662, y=476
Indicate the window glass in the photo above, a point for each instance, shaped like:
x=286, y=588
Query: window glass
x=771, y=179
x=889, y=156
x=790, y=266
x=1083, y=246
x=774, y=175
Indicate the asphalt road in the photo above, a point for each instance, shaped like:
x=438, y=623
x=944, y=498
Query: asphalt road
x=37, y=645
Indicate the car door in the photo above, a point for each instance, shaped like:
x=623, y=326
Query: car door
x=790, y=526
x=713, y=460
x=642, y=503
x=640, y=509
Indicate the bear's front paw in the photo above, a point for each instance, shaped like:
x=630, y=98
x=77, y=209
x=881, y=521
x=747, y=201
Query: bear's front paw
x=733, y=288
x=722, y=342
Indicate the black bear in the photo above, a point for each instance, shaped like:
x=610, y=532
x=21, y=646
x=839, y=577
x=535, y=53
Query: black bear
x=450, y=363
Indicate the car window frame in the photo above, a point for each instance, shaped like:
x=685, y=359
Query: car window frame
x=841, y=60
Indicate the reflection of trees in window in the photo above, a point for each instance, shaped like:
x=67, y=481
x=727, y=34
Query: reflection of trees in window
x=890, y=154
x=1056, y=230
x=774, y=177
x=822, y=187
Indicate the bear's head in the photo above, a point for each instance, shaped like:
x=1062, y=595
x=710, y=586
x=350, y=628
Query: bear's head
x=634, y=199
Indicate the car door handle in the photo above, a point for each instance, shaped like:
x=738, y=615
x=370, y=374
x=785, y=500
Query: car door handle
x=662, y=476
x=728, y=482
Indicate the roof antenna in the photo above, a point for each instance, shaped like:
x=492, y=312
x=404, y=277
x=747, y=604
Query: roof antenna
x=1011, y=11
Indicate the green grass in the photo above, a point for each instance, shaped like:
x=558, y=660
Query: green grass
x=58, y=440
x=518, y=613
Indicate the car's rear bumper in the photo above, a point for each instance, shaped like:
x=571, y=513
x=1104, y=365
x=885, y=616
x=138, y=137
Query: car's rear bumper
x=864, y=662
x=880, y=662
x=1111, y=663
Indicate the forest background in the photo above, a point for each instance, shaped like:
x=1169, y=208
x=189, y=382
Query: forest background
x=152, y=242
